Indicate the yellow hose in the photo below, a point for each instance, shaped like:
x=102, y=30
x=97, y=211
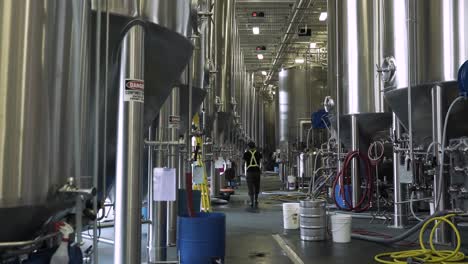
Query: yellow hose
x=424, y=254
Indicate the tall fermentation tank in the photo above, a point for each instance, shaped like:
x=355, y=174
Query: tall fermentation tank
x=424, y=43
x=300, y=93
x=46, y=131
x=167, y=25
x=353, y=54
x=52, y=116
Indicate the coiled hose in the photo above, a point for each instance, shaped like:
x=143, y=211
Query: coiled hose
x=344, y=178
x=427, y=255
x=400, y=237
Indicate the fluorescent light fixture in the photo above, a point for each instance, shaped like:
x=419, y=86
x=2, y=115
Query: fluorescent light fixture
x=323, y=16
x=299, y=60
x=313, y=45
x=264, y=73
x=260, y=56
x=256, y=30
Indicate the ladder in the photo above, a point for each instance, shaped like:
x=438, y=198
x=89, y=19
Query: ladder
x=203, y=186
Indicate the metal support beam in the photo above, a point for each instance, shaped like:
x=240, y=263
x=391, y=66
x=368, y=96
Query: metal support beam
x=129, y=150
x=400, y=216
x=173, y=163
x=442, y=235
x=355, y=179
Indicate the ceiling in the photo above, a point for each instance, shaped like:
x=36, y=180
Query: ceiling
x=273, y=26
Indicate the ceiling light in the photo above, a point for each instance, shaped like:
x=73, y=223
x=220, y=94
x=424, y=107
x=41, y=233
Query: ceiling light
x=264, y=73
x=256, y=30
x=313, y=45
x=299, y=60
x=323, y=16
x=260, y=56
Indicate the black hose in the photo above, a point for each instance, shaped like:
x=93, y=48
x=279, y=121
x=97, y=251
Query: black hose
x=400, y=237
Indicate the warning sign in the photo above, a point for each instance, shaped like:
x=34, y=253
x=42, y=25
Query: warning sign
x=174, y=121
x=134, y=90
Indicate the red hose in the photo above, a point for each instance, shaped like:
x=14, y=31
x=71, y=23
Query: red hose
x=189, y=194
x=343, y=177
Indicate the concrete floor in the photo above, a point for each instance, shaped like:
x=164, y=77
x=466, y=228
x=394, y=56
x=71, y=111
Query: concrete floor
x=250, y=237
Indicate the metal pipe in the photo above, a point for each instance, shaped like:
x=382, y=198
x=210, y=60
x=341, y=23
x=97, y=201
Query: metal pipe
x=400, y=217
x=355, y=179
x=97, y=86
x=158, y=247
x=337, y=79
x=129, y=149
x=302, y=122
x=163, y=143
x=173, y=163
x=100, y=239
x=195, y=41
x=411, y=38
x=106, y=85
x=27, y=242
x=442, y=234
x=151, y=238
x=181, y=169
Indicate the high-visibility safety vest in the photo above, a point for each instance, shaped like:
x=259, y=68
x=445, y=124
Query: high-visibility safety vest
x=253, y=160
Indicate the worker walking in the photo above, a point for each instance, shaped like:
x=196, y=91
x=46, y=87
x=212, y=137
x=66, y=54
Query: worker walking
x=252, y=160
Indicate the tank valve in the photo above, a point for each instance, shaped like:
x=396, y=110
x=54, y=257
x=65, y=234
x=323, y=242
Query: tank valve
x=388, y=69
x=70, y=188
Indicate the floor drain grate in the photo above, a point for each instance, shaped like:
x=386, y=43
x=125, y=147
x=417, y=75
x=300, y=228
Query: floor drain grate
x=257, y=255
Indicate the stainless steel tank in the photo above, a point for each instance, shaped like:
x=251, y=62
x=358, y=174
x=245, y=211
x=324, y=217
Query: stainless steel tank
x=352, y=61
x=300, y=94
x=269, y=126
x=223, y=17
x=427, y=53
x=50, y=105
x=44, y=122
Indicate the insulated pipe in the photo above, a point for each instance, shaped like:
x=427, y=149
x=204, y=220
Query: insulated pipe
x=400, y=217
x=129, y=150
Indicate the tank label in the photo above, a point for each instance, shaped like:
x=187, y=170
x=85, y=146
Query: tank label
x=134, y=90
x=174, y=121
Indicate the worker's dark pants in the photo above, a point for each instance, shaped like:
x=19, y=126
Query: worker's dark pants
x=253, y=183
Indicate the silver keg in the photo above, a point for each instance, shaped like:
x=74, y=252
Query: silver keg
x=313, y=220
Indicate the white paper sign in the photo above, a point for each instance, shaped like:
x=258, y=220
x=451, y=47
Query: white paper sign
x=164, y=184
x=219, y=163
x=197, y=175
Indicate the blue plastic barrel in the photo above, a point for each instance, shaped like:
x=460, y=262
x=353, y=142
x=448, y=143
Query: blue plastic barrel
x=348, y=189
x=201, y=239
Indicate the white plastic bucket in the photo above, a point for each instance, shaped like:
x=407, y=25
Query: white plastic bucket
x=292, y=182
x=290, y=215
x=341, y=228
